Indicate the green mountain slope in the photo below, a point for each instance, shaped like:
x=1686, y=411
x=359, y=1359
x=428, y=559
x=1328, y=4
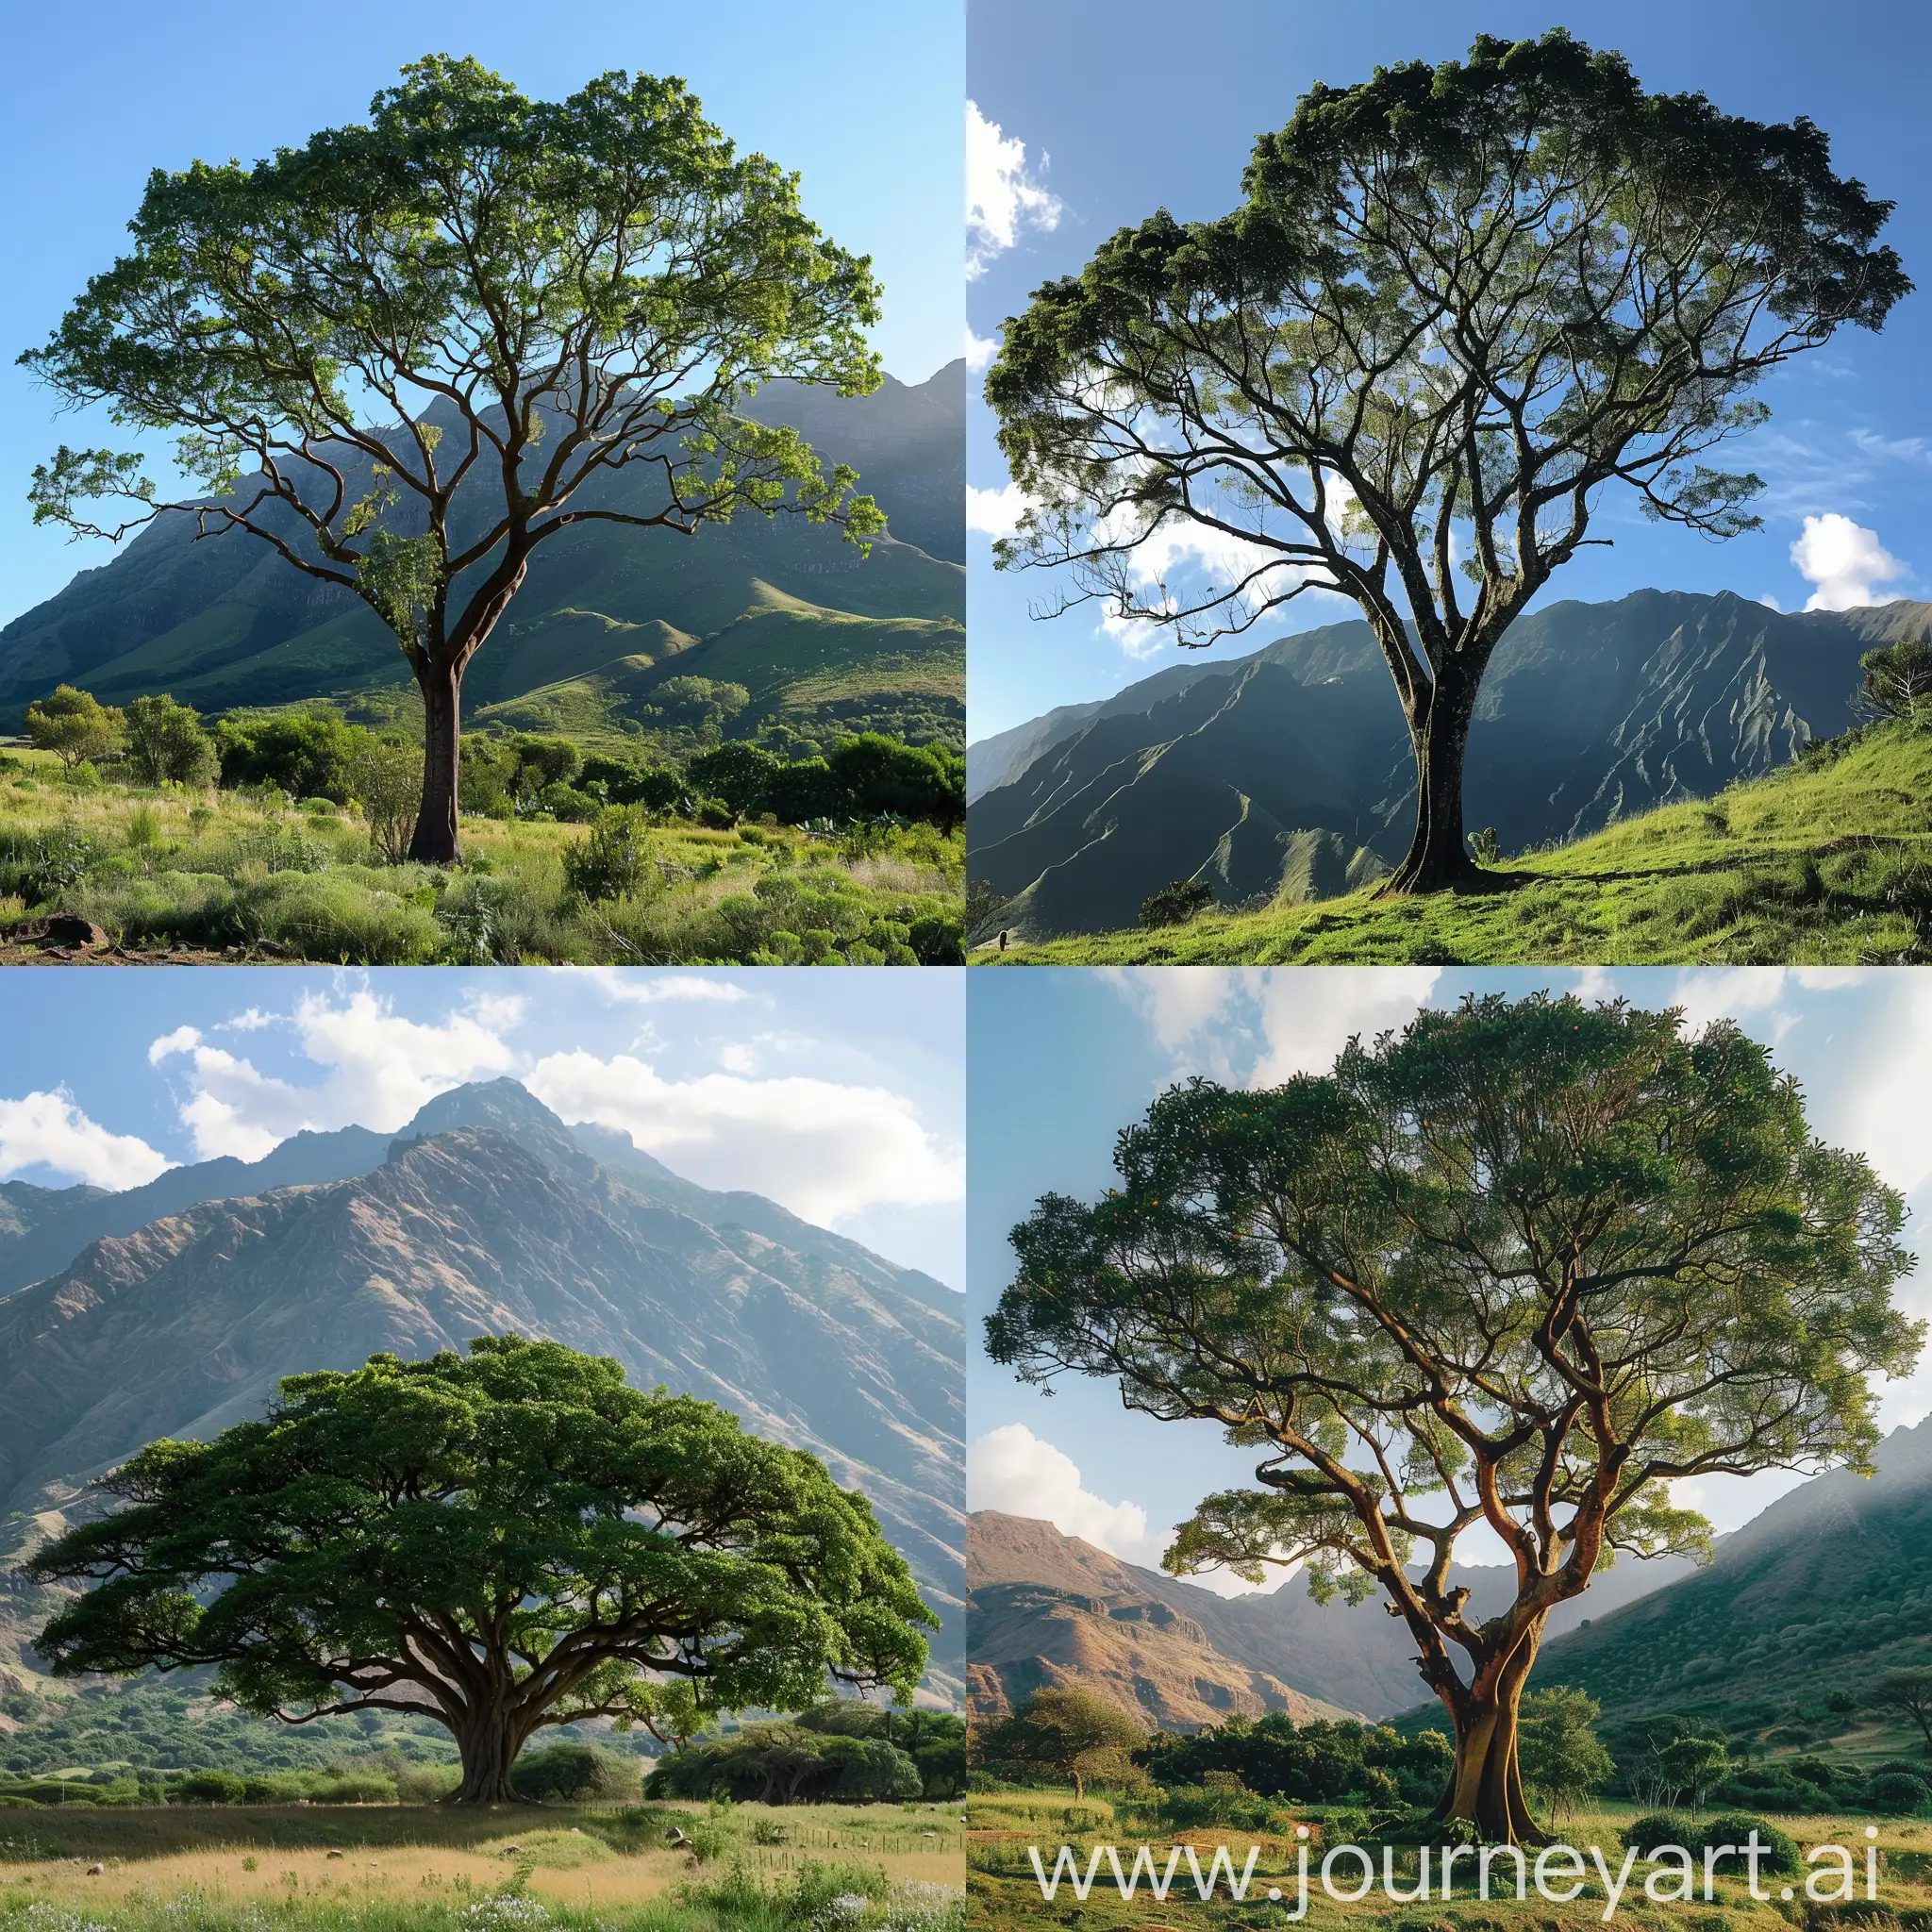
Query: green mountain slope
x=223, y=621
x=815, y=671
x=1591, y=714
x=1819, y=1593
x=1825, y=863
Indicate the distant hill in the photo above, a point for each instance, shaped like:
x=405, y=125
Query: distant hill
x=486, y=1215
x=1044, y=1607
x=1286, y=773
x=1822, y=1592
x=606, y=613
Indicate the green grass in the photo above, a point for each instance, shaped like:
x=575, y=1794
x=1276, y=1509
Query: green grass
x=223, y=874
x=386, y=1868
x=819, y=673
x=1003, y=1896
x=1827, y=862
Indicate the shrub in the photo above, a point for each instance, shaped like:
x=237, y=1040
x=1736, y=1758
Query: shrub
x=1645, y=1835
x=821, y=1881
x=656, y=788
x=74, y=727
x=878, y=774
x=1176, y=903
x=1897, y=1790
x=541, y=761
x=308, y=755
x=800, y=793
x=212, y=1788
x=565, y=1774
x=612, y=861
x=739, y=774
x=166, y=744
x=386, y=775
x=41, y=867
x=1898, y=681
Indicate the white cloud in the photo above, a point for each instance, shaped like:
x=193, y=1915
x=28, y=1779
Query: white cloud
x=1178, y=1002
x=1310, y=1013
x=1881, y=1108
x=642, y=986
x=1180, y=548
x=823, y=1150
x=1729, y=992
x=49, y=1130
x=381, y=1069
x=1770, y=602
x=1291, y=1019
x=1844, y=560
x=1004, y=197
x=1011, y=1470
x=980, y=350
x=997, y=513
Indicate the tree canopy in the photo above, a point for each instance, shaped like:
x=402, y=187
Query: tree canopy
x=400, y=353
x=1456, y=303
x=1520, y=1267
x=1063, y=1731
x=499, y=1541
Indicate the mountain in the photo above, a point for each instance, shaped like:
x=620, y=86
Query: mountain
x=1822, y=1592
x=1044, y=1609
x=489, y=1215
x=1047, y=1608
x=1285, y=772
x=606, y=614
x=50, y=1225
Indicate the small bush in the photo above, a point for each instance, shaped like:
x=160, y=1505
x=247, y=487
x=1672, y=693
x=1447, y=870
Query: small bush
x=1645, y=1835
x=574, y=1773
x=1897, y=1791
x=1175, y=904
x=386, y=777
x=612, y=861
x=212, y=1788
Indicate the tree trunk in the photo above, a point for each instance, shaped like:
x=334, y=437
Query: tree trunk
x=436, y=839
x=1485, y=1786
x=488, y=1751
x=1438, y=860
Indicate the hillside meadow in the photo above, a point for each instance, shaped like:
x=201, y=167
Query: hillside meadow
x=416, y=1868
x=174, y=873
x=1827, y=861
x=1004, y=1894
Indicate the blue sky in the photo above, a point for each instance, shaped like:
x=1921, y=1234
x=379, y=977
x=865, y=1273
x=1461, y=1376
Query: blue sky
x=864, y=104
x=1061, y=1060
x=837, y=1094
x=1116, y=112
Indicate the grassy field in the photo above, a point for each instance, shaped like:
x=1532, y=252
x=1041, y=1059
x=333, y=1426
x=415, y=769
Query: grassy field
x=385, y=1867
x=175, y=875
x=1827, y=862
x=1003, y=1896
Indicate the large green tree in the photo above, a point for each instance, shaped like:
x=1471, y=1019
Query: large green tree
x=1455, y=303
x=399, y=354
x=1516, y=1269
x=499, y=1541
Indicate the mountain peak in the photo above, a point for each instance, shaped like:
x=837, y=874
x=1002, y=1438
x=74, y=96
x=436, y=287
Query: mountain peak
x=503, y=1106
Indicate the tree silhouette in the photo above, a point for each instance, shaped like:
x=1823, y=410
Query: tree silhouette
x=1456, y=303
